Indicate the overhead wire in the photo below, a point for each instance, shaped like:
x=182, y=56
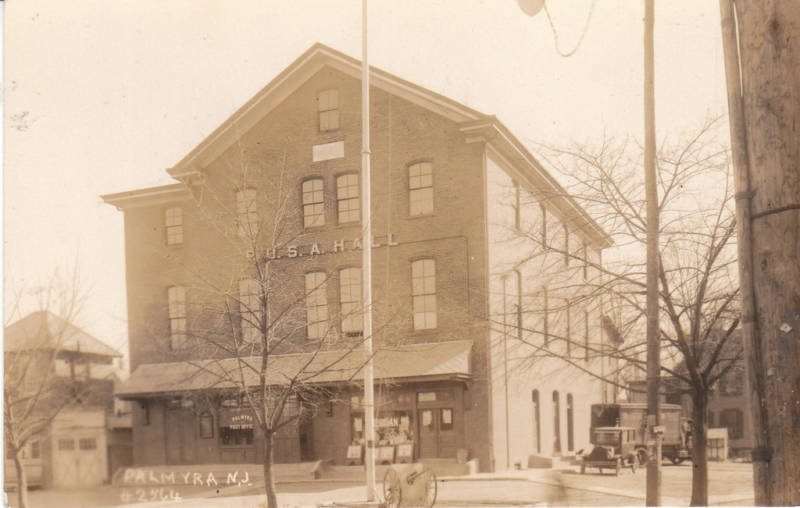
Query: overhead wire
x=555, y=32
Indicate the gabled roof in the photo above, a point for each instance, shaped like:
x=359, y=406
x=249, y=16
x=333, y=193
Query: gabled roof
x=476, y=126
x=296, y=74
x=429, y=361
x=44, y=330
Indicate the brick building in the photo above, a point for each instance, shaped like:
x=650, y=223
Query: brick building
x=464, y=291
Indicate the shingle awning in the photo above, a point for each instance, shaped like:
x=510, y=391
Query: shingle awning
x=413, y=362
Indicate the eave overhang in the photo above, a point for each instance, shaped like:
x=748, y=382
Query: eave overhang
x=148, y=196
x=524, y=167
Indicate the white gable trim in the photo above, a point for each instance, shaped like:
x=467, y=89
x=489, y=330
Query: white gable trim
x=298, y=73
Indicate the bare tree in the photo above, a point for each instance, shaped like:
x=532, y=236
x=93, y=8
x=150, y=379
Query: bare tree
x=35, y=391
x=697, y=269
x=259, y=292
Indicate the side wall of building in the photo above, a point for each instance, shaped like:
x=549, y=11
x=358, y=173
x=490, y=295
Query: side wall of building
x=541, y=404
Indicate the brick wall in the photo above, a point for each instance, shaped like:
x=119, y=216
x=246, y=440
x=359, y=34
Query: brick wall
x=279, y=149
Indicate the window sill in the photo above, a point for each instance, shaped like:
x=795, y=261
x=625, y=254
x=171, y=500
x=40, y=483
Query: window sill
x=425, y=331
x=422, y=216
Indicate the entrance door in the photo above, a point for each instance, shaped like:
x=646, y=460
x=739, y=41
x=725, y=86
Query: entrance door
x=173, y=435
x=437, y=437
x=306, y=432
x=556, y=423
x=427, y=433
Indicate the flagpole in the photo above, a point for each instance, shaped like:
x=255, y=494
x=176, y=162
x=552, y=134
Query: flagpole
x=366, y=270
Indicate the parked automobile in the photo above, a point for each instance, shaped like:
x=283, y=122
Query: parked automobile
x=615, y=448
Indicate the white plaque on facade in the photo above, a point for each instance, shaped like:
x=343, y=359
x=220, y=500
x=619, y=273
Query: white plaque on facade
x=327, y=151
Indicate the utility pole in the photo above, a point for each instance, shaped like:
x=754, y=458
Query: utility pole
x=653, y=497
x=763, y=100
x=366, y=270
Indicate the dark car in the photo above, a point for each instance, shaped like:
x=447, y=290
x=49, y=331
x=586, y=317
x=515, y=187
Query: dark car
x=614, y=448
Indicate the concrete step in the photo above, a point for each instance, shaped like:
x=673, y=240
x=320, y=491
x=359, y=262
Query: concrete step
x=557, y=462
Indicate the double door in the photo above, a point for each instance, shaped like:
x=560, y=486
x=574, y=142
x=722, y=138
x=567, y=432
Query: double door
x=437, y=432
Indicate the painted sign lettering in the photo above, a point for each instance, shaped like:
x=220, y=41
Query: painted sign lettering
x=319, y=249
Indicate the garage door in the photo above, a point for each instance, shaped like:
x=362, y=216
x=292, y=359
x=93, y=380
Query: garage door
x=78, y=461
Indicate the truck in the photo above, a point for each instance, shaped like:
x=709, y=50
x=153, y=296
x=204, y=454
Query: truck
x=676, y=437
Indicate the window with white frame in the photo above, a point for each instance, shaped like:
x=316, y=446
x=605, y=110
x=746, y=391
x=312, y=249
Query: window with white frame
x=313, y=203
x=733, y=419
x=328, y=104
x=246, y=213
x=517, y=207
x=568, y=325
x=423, y=293
x=586, y=334
x=585, y=259
x=350, y=298
x=347, y=198
x=173, y=223
x=316, y=305
x=420, y=189
x=513, y=304
x=544, y=226
x=250, y=309
x=176, y=298
x=545, y=315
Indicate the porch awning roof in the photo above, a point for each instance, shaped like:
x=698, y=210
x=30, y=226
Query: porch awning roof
x=413, y=362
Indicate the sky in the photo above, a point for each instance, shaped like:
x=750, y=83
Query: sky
x=102, y=97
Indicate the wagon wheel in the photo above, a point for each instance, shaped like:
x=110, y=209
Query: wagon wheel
x=391, y=488
x=618, y=467
x=429, y=477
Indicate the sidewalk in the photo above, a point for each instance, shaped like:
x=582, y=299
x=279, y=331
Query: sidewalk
x=509, y=488
x=729, y=484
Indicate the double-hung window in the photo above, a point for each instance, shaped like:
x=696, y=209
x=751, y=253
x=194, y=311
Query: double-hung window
x=423, y=293
x=176, y=299
x=316, y=305
x=420, y=189
x=328, y=103
x=350, y=297
x=246, y=213
x=250, y=309
x=347, y=198
x=313, y=203
x=173, y=223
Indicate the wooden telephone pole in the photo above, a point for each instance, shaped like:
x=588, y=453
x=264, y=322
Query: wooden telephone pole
x=653, y=497
x=761, y=39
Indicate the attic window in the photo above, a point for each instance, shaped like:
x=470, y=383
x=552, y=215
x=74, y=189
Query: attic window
x=328, y=106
